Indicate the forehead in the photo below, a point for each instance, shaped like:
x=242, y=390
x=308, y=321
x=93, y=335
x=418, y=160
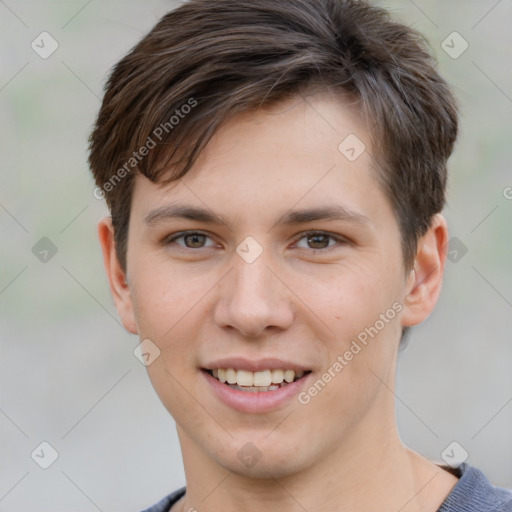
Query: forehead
x=309, y=129
x=306, y=151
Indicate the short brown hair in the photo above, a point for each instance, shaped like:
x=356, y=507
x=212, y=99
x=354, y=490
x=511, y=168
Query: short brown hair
x=208, y=60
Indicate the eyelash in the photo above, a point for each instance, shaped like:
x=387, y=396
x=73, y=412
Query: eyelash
x=340, y=240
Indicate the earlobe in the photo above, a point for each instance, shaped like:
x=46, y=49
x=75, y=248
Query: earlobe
x=116, y=275
x=425, y=281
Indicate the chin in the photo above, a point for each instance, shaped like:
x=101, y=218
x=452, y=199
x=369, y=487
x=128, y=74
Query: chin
x=264, y=468
x=262, y=459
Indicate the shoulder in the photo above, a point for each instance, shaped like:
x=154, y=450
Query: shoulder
x=165, y=504
x=474, y=493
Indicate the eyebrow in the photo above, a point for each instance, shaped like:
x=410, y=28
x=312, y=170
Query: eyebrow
x=291, y=217
x=182, y=211
x=334, y=212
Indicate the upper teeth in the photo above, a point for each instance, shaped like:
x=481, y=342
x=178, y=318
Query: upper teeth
x=262, y=378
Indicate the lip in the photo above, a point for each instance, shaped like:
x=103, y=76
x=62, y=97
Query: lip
x=241, y=363
x=257, y=402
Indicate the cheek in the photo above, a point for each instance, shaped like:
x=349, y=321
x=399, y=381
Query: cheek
x=165, y=296
x=351, y=296
x=363, y=353
x=170, y=313
x=361, y=306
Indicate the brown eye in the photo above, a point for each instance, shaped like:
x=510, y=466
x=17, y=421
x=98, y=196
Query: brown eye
x=190, y=240
x=194, y=240
x=318, y=241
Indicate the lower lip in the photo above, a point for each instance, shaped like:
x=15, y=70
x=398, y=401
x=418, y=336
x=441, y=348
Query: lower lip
x=258, y=401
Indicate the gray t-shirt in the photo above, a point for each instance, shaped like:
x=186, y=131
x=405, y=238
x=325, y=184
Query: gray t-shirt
x=472, y=493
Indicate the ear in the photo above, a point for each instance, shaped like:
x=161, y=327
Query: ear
x=116, y=275
x=424, y=283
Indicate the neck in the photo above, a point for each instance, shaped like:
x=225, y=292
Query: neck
x=367, y=470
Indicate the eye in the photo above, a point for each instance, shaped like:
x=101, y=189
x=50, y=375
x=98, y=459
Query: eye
x=190, y=240
x=318, y=240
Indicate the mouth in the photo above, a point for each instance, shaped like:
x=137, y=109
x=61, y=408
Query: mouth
x=256, y=382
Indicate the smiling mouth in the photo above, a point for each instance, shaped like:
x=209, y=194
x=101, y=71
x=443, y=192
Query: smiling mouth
x=254, y=382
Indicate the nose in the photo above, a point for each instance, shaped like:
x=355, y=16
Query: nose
x=253, y=299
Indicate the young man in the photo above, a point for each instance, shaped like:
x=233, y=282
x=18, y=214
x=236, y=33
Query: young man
x=275, y=171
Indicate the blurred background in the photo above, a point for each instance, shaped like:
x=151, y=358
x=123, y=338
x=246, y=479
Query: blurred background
x=68, y=375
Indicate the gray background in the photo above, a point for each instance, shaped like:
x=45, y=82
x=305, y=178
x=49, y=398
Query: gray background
x=67, y=372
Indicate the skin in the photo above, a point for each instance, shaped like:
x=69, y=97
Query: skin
x=302, y=299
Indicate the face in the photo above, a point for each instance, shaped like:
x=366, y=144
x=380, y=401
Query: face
x=276, y=257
